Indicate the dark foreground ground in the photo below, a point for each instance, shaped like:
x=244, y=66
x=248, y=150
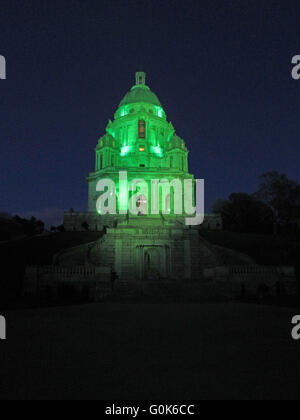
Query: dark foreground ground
x=150, y=351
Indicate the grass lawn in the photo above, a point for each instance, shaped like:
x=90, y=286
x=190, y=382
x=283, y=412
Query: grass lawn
x=150, y=351
x=41, y=249
x=265, y=249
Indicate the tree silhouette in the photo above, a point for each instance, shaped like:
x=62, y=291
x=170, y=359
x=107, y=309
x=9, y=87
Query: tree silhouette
x=282, y=195
x=244, y=213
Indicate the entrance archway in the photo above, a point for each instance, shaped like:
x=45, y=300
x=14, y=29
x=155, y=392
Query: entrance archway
x=153, y=263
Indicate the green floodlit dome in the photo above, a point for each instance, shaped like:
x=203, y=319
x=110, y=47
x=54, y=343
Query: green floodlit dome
x=140, y=93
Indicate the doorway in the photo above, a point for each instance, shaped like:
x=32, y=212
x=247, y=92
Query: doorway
x=153, y=269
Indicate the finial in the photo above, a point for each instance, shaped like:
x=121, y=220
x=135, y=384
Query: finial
x=140, y=78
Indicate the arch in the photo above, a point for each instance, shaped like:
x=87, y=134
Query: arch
x=142, y=129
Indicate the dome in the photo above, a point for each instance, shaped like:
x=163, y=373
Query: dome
x=140, y=94
x=176, y=143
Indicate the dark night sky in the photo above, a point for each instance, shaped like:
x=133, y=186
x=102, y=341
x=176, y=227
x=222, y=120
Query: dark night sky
x=222, y=70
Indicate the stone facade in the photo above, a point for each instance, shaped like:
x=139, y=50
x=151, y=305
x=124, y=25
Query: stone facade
x=144, y=247
x=92, y=221
x=143, y=143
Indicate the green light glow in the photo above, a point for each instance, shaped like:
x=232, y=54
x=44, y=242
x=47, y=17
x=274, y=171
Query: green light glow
x=125, y=150
x=129, y=145
x=157, y=150
x=123, y=112
x=160, y=112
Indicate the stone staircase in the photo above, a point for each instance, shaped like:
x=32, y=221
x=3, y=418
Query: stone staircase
x=168, y=292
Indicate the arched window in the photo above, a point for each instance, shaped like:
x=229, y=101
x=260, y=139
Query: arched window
x=171, y=162
x=101, y=161
x=142, y=129
x=113, y=161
